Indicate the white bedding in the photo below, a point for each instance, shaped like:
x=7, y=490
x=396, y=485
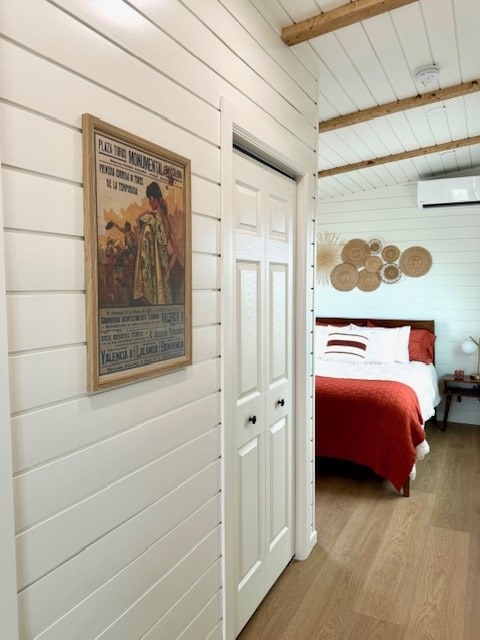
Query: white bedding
x=422, y=378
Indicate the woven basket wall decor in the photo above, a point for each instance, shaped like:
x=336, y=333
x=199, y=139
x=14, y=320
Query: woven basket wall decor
x=373, y=264
x=366, y=264
x=390, y=273
x=355, y=252
x=368, y=281
x=344, y=277
x=415, y=262
x=390, y=253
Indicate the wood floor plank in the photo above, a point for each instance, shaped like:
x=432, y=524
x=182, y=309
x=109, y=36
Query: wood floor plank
x=321, y=613
x=334, y=519
x=430, y=468
x=472, y=606
x=461, y=436
x=457, y=491
x=438, y=599
x=320, y=616
x=285, y=597
x=387, y=567
x=361, y=537
x=472, y=610
x=373, y=629
x=361, y=483
x=390, y=581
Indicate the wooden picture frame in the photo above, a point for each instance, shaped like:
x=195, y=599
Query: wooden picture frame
x=137, y=200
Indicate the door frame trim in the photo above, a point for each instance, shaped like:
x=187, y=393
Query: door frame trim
x=236, y=125
x=8, y=568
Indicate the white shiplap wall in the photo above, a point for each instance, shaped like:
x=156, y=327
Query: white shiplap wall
x=117, y=494
x=449, y=293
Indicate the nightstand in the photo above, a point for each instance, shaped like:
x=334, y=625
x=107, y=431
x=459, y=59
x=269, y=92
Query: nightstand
x=464, y=388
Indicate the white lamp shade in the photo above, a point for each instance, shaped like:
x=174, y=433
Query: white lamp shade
x=469, y=347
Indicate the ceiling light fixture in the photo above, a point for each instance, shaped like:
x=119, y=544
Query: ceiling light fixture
x=427, y=74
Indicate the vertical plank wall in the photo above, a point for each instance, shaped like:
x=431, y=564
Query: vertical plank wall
x=117, y=494
x=449, y=293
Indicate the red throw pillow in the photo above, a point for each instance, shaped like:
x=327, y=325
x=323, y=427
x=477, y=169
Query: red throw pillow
x=420, y=345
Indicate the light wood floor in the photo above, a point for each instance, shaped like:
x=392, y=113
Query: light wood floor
x=388, y=567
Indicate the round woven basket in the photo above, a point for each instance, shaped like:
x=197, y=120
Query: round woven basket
x=375, y=245
x=344, y=277
x=373, y=264
x=355, y=252
x=415, y=262
x=368, y=281
x=390, y=253
x=390, y=273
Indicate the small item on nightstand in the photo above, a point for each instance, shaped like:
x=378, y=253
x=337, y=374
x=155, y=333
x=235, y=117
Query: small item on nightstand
x=458, y=374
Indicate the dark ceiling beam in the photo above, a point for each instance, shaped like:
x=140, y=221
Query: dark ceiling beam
x=337, y=18
x=403, y=155
x=422, y=100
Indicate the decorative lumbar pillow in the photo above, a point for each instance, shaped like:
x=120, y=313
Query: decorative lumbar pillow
x=346, y=344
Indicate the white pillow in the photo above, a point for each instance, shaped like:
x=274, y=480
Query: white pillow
x=382, y=345
x=321, y=334
x=401, y=350
x=346, y=344
x=387, y=345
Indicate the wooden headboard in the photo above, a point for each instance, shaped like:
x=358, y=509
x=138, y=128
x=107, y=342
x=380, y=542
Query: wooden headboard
x=429, y=325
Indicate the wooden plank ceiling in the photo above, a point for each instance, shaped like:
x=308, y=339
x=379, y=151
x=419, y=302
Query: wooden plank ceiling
x=379, y=125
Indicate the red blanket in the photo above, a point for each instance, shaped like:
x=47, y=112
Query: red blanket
x=376, y=423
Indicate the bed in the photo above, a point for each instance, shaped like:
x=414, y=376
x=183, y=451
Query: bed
x=375, y=388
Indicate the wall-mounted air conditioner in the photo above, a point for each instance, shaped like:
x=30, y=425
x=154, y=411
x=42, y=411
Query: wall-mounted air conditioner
x=448, y=192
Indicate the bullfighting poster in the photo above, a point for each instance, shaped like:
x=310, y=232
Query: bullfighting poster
x=138, y=256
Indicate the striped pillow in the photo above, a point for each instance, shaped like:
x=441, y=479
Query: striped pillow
x=346, y=345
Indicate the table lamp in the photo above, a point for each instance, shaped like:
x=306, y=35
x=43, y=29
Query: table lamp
x=469, y=347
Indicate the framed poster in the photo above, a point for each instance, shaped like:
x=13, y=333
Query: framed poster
x=137, y=199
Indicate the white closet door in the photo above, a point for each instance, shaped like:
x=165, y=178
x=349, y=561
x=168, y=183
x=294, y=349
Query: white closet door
x=264, y=223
